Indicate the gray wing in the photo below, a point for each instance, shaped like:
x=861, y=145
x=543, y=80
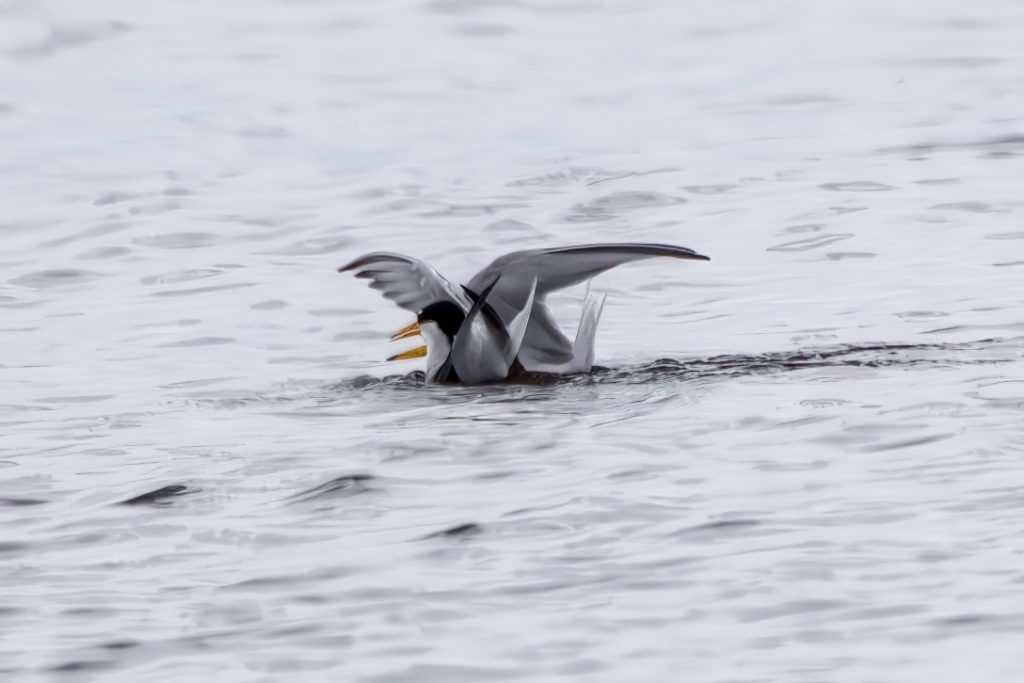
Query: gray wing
x=556, y=269
x=567, y=266
x=409, y=282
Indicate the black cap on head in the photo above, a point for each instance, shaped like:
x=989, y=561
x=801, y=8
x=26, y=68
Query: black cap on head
x=447, y=315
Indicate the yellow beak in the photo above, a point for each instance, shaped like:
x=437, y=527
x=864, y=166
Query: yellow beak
x=410, y=330
x=417, y=352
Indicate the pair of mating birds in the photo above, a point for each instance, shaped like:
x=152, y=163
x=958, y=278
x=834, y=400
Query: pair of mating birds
x=497, y=326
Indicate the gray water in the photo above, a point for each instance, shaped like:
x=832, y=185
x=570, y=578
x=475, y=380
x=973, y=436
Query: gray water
x=800, y=462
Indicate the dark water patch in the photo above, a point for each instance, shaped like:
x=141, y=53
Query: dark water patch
x=22, y=408
x=179, y=240
x=969, y=207
x=457, y=531
x=57, y=277
x=921, y=314
x=344, y=486
x=199, y=341
x=414, y=378
x=161, y=497
x=115, y=197
x=304, y=630
x=717, y=527
x=60, y=38
x=103, y=253
x=263, y=583
x=483, y=30
x=801, y=98
x=1009, y=145
x=12, y=547
x=979, y=622
x=357, y=335
x=80, y=665
x=635, y=200
x=154, y=208
x=846, y=255
x=192, y=383
x=269, y=305
x=906, y=443
x=469, y=210
x=803, y=228
x=20, y=502
x=824, y=402
x=1009, y=327
x=710, y=189
x=335, y=312
x=75, y=399
x=852, y=355
x=963, y=620
x=120, y=644
x=856, y=186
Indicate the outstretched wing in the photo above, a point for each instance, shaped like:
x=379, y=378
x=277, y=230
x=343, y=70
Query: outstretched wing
x=555, y=269
x=409, y=282
x=567, y=266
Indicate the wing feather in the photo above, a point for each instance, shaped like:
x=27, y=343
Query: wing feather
x=409, y=282
x=562, y=267
x=555, y=269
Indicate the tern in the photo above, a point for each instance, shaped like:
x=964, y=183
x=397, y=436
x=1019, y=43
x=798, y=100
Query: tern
x=497, y=326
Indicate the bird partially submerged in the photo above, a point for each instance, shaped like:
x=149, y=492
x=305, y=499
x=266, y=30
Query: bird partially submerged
x=498, y=325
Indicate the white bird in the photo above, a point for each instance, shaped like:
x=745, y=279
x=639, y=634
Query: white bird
x=498, y=325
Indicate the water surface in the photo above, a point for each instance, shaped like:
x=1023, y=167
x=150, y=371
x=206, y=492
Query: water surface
x=799, y=462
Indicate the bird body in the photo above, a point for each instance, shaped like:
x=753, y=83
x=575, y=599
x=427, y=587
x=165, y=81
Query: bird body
x=499, y=324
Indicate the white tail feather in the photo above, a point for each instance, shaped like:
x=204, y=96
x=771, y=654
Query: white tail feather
x=586, y=334
x=517, y=328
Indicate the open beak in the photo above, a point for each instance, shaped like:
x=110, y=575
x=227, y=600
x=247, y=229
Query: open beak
x=410, y=330
x=417, y=352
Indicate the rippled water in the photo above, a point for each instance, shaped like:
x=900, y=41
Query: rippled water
x=799, y=462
